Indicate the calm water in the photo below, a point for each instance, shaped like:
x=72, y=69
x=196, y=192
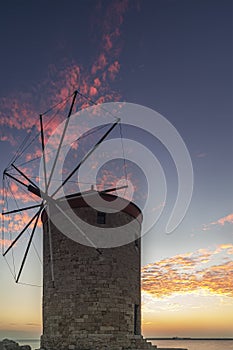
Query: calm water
x=196, y=344
x=188, y=344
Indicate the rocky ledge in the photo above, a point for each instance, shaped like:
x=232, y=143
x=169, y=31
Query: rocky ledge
x=7, y=344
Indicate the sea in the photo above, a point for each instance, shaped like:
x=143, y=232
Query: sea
x=185, y=344
x=195, y=344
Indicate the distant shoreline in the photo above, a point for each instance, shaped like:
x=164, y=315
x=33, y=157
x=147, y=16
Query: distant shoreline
x=147, y=338
x=185, y=338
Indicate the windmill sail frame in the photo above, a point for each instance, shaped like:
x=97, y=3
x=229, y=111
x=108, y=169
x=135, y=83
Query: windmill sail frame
x=46, y=199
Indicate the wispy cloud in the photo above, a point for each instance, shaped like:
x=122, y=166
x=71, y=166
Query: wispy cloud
x=228, y=219
x=5, y=136
x=224, y=220
x=5, y=242
x=201, y=155
x=191, y=272
x=14, y=223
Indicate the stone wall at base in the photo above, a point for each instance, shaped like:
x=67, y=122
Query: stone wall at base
x=112, y=343
x=109, y=342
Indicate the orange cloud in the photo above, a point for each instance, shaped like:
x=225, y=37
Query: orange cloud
x=93, y=91
x=14, y=226
x=5, y=242
x=19, y=195
x=225, y=219
x=17, y=222
x=228, y=219
x=183, y=274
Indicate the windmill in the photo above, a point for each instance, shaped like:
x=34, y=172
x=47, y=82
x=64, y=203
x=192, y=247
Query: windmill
x=91, y=296
x=43, y=199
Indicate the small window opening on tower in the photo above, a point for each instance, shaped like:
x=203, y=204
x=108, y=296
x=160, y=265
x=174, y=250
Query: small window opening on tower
x=101, y=217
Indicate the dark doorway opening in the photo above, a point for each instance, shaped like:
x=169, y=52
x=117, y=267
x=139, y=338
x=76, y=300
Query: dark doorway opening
x=136, y=319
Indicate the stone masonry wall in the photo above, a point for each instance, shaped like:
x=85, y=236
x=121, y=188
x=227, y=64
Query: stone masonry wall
x=94, y=295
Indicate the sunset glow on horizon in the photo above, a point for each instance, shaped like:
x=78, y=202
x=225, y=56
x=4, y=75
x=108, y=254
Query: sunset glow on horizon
x=175, y=290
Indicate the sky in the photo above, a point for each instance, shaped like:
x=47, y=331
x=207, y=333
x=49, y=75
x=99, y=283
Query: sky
x=174, y=57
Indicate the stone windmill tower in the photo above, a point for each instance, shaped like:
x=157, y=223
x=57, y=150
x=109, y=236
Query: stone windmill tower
x=91, y=296
x=95, y=302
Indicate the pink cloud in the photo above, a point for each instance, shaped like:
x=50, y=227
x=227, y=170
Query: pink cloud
x=9, y=138
x=20, y=111
x=108, y=42
x=100, y=64
x=5, y=242
x=225, y=219
x=97, y=82
x=16, y=114
x=114, y=69
x=93, y=91
x=228, y=219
